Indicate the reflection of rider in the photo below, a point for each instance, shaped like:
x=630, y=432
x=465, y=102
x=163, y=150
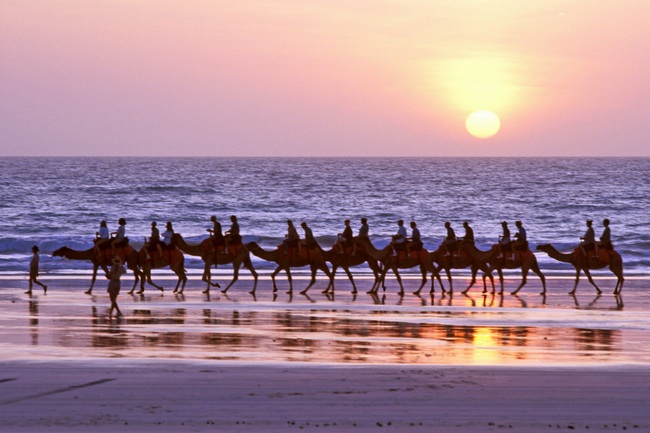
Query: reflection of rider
x=450, y=240
x=399, y=238
x=345, y=239
x=292, y=237
x=606, y=238
x=588, y=240
x=363, y=234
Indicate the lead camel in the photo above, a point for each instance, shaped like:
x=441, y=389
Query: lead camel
x=585, y=264
x=130, y=257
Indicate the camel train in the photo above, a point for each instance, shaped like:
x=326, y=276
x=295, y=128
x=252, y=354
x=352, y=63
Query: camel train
x=401, y=253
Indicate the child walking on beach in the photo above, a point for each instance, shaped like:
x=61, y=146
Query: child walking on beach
x=114, y=274
x=33, y=272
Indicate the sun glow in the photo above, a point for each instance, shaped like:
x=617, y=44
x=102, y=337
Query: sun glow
x=483, y=124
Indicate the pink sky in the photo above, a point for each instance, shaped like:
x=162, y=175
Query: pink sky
x=323, y=78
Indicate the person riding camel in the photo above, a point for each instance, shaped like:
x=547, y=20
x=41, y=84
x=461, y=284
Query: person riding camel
x=504, y=239
x=292, y=237
x=154, y=241
x=309, y=242
x=469, y=233
x=101, y=237
x=345, y=239
x=415, y=242
x=588, y=240
x=363, y=234
x=120, y=234
x=521, y=238
x=450, y=241
x=232, y=236
x=399, y=239
x=606, y=238
x=216, y=236
x=167, y=234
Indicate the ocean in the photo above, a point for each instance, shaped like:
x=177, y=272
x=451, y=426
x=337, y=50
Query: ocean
x=54, y=202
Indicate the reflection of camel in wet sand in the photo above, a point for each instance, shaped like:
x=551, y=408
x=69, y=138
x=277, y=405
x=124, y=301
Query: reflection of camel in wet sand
x=585, y=264
x=346, y=261
x=491, y=257
x=172, y=258
x=455, y=262
x=384, y=256
x=91, y=256
x=212, y=257
x=286, y=262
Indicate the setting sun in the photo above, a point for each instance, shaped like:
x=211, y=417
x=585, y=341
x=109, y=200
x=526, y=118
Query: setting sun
x=483, y=124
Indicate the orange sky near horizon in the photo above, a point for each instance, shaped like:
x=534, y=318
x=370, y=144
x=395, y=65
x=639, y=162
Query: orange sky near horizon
x=323, y=78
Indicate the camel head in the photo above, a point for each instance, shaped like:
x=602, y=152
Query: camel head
x=60, y=252
x=175, y=238
x=251, y=245
x=544, y=247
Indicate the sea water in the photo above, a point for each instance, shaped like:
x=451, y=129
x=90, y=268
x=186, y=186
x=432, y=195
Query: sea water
x=52, y=202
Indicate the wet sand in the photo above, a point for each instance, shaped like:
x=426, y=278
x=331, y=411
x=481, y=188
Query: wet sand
x=244, y=363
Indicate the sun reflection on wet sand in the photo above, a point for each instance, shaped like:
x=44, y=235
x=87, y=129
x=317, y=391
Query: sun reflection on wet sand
x=457, y=329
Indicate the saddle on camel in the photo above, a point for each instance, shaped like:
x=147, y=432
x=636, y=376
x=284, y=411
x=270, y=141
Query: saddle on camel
x=170, y=254
x=348, y=249
x=212, y=244
x=122, y=249
x=291, y=251
x=522, y=251
x=605, y=253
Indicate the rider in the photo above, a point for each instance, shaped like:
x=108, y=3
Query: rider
x=605, y=239
x=588, y=240
x=416, y=241
x=101, y=237
x=450, y=240
x=215, y=232
x=469, y=233
x=504, y=240
x=120, y=234
x=399, y=238
x=168, y=233
x=232, y=235
x=154, y=240
x=309, y=242
x=292, y=236
x=345, y=239
x=520, y=238
x=363, y=234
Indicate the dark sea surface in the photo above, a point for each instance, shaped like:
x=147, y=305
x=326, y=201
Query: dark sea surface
x=52, y=202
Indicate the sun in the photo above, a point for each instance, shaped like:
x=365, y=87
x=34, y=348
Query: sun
x=483, y=124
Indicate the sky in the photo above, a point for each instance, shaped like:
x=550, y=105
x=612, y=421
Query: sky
x=323, y=78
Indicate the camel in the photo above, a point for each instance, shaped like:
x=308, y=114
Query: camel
x=174, y=259
x=587, y=263
x=346, y=261
x=91, y=256
x=388, y=262
x=212, y=257
x=286, y=263
x=459, y=262
x=491, y=257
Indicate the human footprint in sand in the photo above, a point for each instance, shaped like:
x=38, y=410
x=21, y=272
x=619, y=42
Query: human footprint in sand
x=114, y=274
x=33, y=272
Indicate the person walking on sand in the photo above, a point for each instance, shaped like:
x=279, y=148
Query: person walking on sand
x=33, y=272
x=114, y=274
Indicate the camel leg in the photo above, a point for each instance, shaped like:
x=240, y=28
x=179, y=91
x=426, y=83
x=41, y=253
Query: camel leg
x=276, y=272
x=354, y=286
x=288, y=271
x=524, y=276
x=313, y=269
x=442, y=287
x=235, y=275
x=591, y=280
x=92, y=280
x=575, y=286
x=150, y=281
x=451, y=286
x=331, y=284
x=399, y=280
x=249, y=266
x=374, y=290
x=619, y=281
x=535, y=268
x=136, y=274
x=473, y=281
x=182, y=278
x=424, y=278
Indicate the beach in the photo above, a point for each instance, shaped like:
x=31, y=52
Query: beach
x=271, y=362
